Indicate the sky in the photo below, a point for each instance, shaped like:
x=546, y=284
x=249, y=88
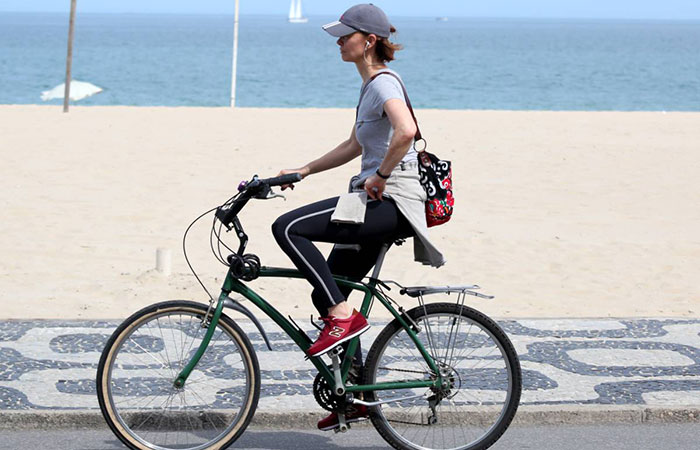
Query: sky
x=597, y=9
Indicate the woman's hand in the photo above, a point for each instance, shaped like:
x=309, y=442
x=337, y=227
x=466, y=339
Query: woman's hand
x=374, y=186
x=304, y=171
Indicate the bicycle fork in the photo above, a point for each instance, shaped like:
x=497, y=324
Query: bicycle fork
x=187, y=370
x=210, y=324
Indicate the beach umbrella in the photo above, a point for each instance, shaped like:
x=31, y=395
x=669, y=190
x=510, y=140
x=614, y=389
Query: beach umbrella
x=78, y=91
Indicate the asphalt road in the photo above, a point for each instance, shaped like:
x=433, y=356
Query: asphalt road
x=560, y=437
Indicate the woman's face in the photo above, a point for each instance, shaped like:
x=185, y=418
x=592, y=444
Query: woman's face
x=352, y=46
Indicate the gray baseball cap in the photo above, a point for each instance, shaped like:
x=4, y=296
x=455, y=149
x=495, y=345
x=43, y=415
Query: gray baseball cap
x=364, y=17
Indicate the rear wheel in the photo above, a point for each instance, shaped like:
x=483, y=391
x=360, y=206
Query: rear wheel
x=143, y=357
x=479, y=368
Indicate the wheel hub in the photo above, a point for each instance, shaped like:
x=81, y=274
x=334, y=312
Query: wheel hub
x=451, y=382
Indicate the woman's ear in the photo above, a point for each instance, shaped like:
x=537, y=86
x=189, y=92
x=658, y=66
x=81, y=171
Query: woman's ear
x=371, y=40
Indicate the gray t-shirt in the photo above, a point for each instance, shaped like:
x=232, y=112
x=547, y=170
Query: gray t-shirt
x=373, y=128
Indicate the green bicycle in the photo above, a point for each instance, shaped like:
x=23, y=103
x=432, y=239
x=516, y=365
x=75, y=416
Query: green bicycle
x=183, y=375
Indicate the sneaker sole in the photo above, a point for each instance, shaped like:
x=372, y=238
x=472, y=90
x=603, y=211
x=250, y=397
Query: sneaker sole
x=346, y=338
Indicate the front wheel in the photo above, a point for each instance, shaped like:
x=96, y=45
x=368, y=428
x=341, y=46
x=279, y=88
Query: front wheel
x=480, y=373
x=142, y=359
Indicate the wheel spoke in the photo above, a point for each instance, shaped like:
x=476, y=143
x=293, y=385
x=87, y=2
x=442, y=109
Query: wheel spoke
x=165, y=347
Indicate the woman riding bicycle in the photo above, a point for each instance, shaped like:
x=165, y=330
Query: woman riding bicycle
x=386, y=201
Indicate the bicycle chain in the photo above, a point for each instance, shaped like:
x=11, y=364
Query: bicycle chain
x=405, y=370
x=403, y=422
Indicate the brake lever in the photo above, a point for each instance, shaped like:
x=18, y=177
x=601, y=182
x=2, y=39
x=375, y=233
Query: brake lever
x=273, y=194
x=267, y=193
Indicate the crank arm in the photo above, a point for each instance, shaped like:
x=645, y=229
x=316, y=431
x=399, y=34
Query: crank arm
x=337, y=374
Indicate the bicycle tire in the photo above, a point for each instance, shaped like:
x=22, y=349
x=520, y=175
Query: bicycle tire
x=490, y=389
x=136, y=372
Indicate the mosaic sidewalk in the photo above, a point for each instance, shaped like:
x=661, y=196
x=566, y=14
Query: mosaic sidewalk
x=51, y=365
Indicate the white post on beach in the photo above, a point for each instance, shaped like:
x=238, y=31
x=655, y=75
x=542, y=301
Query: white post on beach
x=235, y=58
x=164, y=263
x=69, y=58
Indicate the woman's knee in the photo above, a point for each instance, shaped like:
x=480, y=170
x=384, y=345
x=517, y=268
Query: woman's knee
x=291, y=223
x=278, y=227
x=283, y=227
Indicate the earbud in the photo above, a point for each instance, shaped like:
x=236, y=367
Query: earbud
x=367, y=45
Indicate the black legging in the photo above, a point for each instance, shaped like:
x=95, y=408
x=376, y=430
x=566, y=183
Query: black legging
x=295, y=231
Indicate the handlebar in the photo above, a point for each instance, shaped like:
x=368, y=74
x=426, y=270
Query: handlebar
x=258, y=188
x=282, y=180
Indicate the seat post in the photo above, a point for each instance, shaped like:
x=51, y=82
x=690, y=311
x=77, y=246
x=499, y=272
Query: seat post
x=380, y=261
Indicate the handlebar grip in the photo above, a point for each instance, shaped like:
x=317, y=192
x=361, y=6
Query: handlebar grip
x=282, y=180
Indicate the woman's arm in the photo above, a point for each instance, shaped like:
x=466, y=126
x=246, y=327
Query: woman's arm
x=404, y=131
x=345, y=151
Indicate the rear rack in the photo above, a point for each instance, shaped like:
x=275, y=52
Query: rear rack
x=419, y=291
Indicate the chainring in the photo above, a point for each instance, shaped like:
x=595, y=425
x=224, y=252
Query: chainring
x=323, y=393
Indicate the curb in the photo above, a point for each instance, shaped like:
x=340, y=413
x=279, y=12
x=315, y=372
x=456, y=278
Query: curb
x=599, y=414
x=527, y=415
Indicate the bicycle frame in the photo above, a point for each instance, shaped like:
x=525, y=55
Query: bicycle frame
x=231, y=284
x=227, y=215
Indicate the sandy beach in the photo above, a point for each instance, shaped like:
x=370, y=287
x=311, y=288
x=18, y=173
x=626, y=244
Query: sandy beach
x=558, y=214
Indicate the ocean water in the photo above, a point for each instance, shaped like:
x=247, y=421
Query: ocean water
x=178, y=60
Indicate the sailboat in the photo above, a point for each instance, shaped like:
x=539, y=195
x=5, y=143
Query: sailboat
x=295, y=13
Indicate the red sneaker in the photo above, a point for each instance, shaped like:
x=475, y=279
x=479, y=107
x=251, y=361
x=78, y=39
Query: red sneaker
x=338, y=331
x=353, y=413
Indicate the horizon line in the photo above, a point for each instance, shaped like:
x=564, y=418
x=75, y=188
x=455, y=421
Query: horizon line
x=282, y=15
